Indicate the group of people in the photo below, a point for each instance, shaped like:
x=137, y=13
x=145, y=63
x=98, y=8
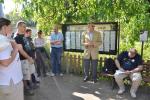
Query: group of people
x=17, y=58
x=17, y=68
x=21, y=59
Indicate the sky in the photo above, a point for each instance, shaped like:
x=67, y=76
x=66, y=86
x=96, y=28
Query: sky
x=9, y=5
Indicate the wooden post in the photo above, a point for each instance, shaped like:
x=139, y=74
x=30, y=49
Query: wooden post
x=100, y=63
x=79, y=64
x=75, y=64
x=71, y=63
x=67, y=63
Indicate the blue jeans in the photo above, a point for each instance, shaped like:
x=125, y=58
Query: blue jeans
x=56, y=59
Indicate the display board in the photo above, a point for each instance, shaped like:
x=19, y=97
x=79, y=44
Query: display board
x=73, y=34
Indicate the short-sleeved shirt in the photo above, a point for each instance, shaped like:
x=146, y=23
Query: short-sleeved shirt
x=20, y=40
x=128, y=63
x=39, y=42
x=58, y=36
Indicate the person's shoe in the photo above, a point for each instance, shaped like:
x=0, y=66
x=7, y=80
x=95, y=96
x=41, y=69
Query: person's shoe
x=52, y=74
x=38, y=79
x=85, y=78
x=94, y=81
x=61, y=74
x=121, y=91
x=48, y=74
x=133, y=94
x=38, y=84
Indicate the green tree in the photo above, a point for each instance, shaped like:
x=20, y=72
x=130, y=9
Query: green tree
x=132, y=15
x=15, y=17
x=1, y=1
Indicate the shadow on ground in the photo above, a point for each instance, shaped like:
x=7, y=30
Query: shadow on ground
x=71, y=87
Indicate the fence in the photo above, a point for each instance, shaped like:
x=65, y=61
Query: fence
x=73, y=63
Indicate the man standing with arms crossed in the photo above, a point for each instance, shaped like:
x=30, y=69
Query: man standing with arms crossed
x=56, y=52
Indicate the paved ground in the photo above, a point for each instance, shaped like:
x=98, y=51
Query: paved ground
x=71, y=87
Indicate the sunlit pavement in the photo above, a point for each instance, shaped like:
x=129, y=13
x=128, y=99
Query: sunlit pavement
x=71, y=87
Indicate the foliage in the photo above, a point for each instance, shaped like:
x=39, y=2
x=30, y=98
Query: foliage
x=132, y=15
x=1, y=1
x=15, y=17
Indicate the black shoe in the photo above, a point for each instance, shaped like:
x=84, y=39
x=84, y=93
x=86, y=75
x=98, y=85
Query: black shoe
x=85, y=78
x=94, y=81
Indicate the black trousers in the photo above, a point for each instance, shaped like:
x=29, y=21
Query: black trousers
x=40, y=62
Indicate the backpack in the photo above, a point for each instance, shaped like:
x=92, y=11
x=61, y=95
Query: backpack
x=109, y=66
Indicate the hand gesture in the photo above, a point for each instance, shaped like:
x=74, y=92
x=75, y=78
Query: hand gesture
x=127, y=72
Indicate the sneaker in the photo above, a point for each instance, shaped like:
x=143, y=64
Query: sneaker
x=85, y=78
x=94, y=81
x=37, y=82
x=61, y=74
x=52, y=74
x=48, y=74
x=121, y=91
x=38, y=79
x=133, y=95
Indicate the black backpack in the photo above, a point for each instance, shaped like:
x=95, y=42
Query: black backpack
x=109, y=66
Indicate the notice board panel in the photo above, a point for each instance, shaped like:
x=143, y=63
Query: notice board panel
x=73, y=34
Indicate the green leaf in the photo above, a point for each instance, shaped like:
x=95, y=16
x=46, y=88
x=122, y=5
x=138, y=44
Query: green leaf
x=1, y=1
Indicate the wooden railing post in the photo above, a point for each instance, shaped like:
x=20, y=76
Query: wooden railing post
x=67, y=63
x=74, y=63
x=79, y=64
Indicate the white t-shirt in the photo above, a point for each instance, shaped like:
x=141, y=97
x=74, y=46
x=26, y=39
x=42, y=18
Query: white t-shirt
x=13, y=71
x=39, y=42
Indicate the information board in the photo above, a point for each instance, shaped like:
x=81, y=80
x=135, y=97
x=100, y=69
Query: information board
x=73, y=34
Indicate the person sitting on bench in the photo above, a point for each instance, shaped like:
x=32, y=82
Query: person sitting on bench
x=129, y=64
